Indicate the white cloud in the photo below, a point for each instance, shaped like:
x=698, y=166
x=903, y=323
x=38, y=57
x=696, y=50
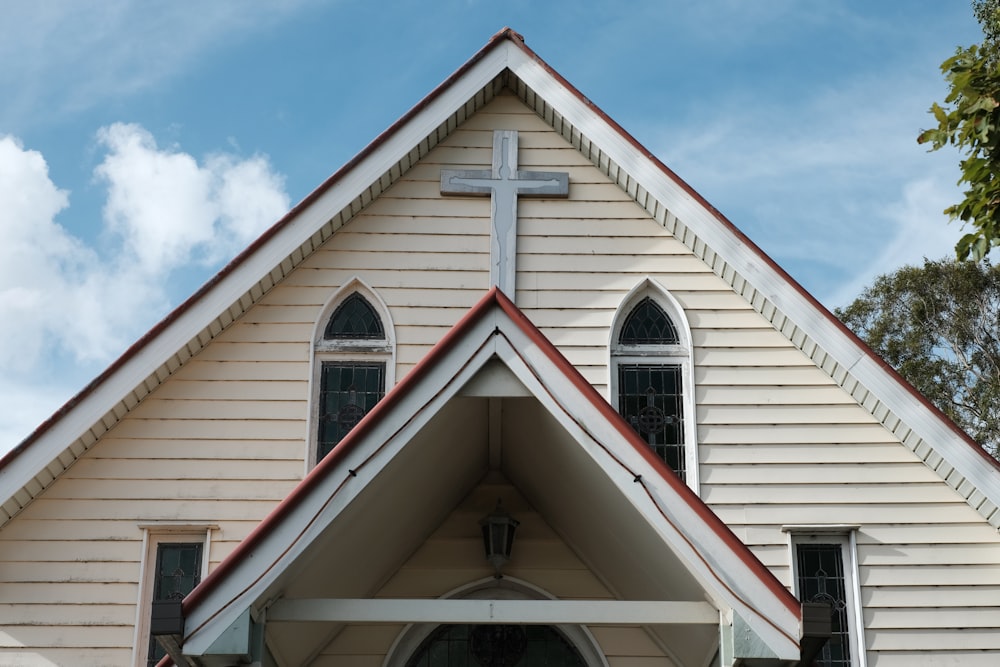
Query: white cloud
x=169, y=210
x=919, y=230
x=832, y=185
x=159, y=202
x=249, y=194
x=64, y=301
x=38, y=259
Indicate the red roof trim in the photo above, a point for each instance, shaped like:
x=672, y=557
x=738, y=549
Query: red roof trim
x=518, y=40
x=494, y=298
x=628, y=433
x=329, y=183
x=755, y=249
x=332, y=460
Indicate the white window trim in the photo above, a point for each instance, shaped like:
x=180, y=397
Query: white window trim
x=681, y=354
x=346, y=350
x=846, y=535
x=153, y=535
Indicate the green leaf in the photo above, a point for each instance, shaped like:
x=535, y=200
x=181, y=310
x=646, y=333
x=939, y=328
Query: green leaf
x=937, y=326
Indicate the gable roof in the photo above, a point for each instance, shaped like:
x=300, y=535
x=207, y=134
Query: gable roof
x=504, y=63
x=569, y=431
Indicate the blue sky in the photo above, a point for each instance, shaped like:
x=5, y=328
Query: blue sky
x=142, y=144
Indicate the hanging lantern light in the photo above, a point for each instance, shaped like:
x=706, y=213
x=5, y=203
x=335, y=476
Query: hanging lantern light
x=498, y=536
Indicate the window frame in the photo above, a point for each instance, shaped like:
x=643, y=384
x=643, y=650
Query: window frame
x=680, y=354
x=844, y=536
x=347, y=351
x=153, y=535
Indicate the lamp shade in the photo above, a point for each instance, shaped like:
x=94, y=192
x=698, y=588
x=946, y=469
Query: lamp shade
x=498, y=536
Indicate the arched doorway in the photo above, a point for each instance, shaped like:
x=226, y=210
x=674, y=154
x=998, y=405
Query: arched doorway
x=424, y=644
x=496, y=646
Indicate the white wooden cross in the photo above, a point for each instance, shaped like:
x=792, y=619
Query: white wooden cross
x=503, y=183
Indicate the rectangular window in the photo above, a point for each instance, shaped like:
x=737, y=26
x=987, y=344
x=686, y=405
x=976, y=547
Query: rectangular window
x=821, y=579
x=825, y=569
x=651, y=398
x=348, y=391
x=177, y=572
x=174, y=561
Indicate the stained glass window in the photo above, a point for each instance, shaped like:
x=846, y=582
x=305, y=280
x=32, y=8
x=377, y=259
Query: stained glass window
x=354, y=319
x=651, y=398
x=178, y=571
x=647, y=324
x=496, y=646
x=650, y=381
x=348, y=390
x=821, y=579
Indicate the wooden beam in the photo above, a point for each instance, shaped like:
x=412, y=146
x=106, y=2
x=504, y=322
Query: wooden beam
x=531, y=612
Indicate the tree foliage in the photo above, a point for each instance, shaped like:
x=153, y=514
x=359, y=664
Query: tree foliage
x=970, y=120
x=987, y=12
x=939, y=327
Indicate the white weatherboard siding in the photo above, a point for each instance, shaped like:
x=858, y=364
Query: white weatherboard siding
x=224, y=439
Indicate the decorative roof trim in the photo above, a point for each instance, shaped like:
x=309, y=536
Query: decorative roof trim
x=493, y=328
x=793, y=312
x=36, y=462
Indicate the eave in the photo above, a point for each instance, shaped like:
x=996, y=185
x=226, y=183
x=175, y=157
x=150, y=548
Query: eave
x=429, y=428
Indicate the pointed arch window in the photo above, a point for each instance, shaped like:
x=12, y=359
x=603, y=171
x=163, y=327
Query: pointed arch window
x=353, y=355
x=651, y=379
x=647, y=324
x=354, y=319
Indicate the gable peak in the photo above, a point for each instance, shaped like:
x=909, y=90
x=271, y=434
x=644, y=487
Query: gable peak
x=507, y=32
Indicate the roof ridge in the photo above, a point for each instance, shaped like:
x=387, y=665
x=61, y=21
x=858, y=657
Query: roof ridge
x=854, y=358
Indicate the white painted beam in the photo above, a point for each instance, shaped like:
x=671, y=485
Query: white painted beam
x=532, y=612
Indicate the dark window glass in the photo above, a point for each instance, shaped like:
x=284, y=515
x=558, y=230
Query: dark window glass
x=651, y=398
x=821, y=579
x=178, y=571
x=347, y=391
x=354, y=319
x=647, y=324
x=496, y=646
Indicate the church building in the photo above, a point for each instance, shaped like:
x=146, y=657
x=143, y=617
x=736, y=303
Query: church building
x=503, y=391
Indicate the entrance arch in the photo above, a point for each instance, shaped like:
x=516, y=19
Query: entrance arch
x=573, y=643
x=496, y=646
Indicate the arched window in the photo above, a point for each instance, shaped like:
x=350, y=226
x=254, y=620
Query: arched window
x=496, y=646
x=647, y=324
x=432, y=645
x=651, y=379
x=353, y=363
x=354, y=319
